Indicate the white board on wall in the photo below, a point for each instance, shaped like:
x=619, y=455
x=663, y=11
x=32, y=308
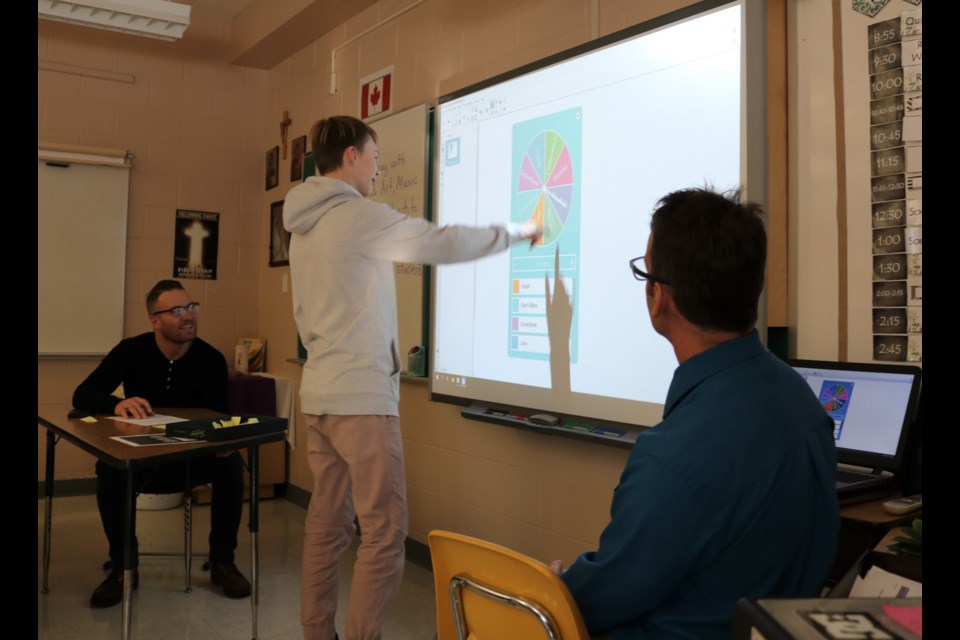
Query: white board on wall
x=402, y=184
x=81, y=256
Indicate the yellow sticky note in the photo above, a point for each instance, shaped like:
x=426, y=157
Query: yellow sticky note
x=88, y=419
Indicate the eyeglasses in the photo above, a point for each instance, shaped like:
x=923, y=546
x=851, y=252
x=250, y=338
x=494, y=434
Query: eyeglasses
x=642, y=275
x=179, y=310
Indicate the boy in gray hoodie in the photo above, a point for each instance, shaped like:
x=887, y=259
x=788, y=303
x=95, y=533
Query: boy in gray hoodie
x=342, y=251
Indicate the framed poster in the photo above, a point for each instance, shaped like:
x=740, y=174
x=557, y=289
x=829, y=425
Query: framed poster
x=296, y=158
x=272, y=168
x=279, y=237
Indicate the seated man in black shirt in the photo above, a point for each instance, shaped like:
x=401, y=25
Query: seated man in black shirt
x=169, y=367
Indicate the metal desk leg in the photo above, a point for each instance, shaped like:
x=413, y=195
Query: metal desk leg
x=48, y=510
x=125, y=618
x=253, y=457
x=188, y=530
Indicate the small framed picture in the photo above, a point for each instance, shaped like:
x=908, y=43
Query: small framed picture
x=273, y=168
x=279, y=237
x=296, y=158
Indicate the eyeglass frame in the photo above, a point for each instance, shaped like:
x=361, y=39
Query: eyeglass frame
x=180, y=309
x=642, y=275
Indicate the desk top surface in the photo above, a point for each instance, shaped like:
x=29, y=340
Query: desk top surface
x=96, y=437
x=872, y=512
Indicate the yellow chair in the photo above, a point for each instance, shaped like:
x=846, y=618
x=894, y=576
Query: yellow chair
x=488, y=592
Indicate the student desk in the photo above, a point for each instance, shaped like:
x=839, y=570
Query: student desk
x=94, y=438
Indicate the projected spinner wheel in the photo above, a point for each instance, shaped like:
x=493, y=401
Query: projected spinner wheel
x=545, y=184
x=834, y=397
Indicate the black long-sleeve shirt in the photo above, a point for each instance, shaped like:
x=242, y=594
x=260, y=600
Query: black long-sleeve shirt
x=197, y=379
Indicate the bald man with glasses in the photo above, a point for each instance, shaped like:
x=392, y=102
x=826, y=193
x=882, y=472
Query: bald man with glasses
x=167, y=367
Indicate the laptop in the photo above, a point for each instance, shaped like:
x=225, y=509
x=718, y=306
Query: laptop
x=872, y=407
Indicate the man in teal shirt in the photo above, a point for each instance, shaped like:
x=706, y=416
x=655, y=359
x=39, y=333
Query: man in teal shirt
x=732, y=494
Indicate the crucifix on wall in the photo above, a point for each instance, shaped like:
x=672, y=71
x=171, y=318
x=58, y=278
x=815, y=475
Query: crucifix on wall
x=284, y=126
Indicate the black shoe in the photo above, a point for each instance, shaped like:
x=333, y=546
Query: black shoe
x=110, y=591
x=229, y=577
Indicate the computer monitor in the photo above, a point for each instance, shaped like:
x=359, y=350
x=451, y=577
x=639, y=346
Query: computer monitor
x=872, y=406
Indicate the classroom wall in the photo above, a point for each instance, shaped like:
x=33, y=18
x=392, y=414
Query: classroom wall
x=545, y=496
x=200, y=127
x=813, y=236
x=195, y=126
x=830, y=234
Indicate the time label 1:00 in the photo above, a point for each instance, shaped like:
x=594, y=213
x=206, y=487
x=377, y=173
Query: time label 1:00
x=888, y=241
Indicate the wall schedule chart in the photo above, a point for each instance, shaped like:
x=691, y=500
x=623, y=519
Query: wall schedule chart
x=895, y=58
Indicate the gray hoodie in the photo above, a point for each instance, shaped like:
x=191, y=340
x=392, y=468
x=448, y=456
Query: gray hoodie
x=344, y=299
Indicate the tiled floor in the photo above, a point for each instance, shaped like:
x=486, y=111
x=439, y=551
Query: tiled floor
x=161, y=609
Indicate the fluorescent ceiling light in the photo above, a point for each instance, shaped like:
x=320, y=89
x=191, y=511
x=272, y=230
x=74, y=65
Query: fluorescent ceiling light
x=152, y=18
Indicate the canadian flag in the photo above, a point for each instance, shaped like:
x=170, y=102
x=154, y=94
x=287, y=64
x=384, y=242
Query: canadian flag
x=375, y=96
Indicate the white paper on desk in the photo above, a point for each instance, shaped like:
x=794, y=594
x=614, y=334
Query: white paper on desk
x=152, y=421
x=883, y=584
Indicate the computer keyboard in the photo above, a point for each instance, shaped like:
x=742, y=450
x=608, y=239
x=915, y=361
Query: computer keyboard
x=849, y=477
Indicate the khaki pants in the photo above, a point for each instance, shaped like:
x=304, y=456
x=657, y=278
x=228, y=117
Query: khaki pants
x=357, y=465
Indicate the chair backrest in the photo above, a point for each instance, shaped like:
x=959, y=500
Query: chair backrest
x=488, y=592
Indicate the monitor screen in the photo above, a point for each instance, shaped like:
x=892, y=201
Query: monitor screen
x=872, y=407
x=584, y=144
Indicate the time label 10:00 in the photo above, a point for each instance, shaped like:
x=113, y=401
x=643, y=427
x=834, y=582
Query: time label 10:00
x=886, y=84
